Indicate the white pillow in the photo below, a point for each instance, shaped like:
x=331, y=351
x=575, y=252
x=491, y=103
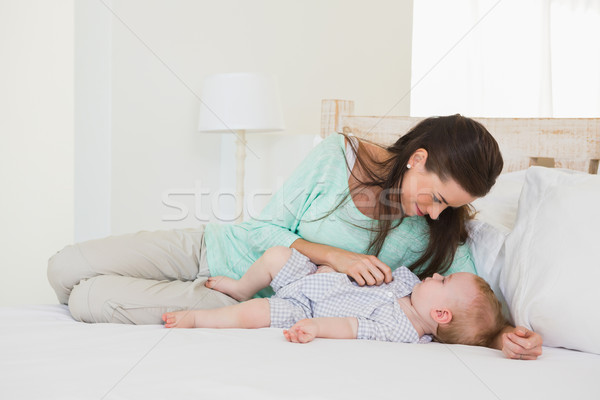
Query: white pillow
x=487, y=248
x=552, y=271
x=499, y=207
x=496, y=214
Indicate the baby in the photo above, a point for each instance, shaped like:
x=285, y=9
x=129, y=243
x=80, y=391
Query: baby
x=312, y=302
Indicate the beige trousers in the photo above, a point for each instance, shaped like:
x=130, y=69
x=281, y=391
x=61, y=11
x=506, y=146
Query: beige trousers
x=134, y=278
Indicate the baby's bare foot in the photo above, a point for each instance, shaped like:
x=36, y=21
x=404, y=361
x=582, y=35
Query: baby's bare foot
x=230, y=287
x=180, y=319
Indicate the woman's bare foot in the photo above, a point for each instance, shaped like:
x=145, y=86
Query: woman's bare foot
x=230, y=287
x=180, y=319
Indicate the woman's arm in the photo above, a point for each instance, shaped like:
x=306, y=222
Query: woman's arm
x=518, y=343
x=364, y=269
x=306, y=330
x=294, y=203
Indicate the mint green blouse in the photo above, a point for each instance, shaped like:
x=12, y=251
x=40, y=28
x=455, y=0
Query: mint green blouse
x=318, y=185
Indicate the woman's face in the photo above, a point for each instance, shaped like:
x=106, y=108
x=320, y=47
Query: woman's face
x=424, y=193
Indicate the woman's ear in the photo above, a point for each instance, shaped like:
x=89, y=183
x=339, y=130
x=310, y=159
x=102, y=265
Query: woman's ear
x=418, y=158
x=441, y=316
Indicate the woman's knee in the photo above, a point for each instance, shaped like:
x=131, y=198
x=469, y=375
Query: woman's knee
x=104, y=299
x=128, y=300
x=64, y=271
x=78, y=301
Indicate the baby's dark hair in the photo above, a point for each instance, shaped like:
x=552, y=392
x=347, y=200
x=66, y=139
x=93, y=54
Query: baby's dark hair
x=476, y=323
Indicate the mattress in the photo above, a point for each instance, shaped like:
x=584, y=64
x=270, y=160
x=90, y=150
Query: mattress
x=45, y=354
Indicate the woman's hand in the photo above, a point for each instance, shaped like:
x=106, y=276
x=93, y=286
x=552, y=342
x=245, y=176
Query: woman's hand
x=364, y=269
x=521, y=344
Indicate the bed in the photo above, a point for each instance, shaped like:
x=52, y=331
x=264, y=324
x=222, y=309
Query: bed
x=45, y=354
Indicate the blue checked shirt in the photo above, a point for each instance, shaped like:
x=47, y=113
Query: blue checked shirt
x=300, y=293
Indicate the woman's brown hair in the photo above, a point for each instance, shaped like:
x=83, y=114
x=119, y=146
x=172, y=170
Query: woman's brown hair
x=459, y=148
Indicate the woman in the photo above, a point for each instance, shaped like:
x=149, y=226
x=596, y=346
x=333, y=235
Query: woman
x=354, y=206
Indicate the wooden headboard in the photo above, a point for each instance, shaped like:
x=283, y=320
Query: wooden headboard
x=572, y=143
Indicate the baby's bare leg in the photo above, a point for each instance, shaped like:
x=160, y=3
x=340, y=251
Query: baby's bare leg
x=259, y=275
x=255, y=313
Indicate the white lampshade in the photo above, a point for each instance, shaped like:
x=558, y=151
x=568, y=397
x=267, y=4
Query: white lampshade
x=240, y=101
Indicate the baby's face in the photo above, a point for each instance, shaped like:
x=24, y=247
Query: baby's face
x=444, y=292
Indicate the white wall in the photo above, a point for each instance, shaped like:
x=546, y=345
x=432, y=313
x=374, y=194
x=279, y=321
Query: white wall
x=163, y=50
x=36, y=154
x=92, y=119
x=138, y=68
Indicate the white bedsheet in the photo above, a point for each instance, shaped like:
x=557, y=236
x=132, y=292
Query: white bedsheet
x=45, y=354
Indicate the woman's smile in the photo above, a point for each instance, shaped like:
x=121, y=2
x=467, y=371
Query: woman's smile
x=419, y=212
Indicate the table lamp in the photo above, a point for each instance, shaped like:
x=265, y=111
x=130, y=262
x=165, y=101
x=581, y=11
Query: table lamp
x=240, y=103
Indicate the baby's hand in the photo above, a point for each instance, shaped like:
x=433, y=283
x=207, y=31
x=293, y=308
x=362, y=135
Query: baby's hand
x=303, y=331
x=324, y=269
